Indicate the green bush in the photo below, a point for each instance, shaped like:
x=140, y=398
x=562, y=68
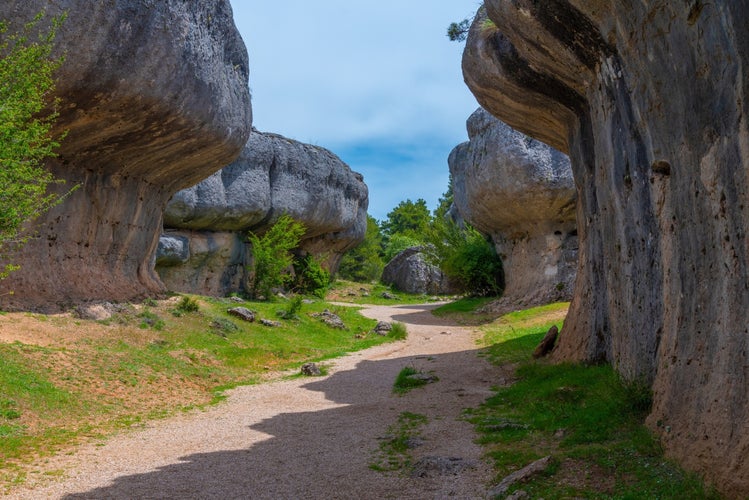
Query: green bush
x=363, y=263
x=292, y=309
x=26, y=82
x=187, y=305
x=311, y=278
x=271, y=256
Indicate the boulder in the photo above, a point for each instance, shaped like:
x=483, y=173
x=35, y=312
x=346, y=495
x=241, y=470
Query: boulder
x=519, y=191
x=410, y=272
x=242, y=313
x=650, y=102
x=153, y=97
x=273, y=176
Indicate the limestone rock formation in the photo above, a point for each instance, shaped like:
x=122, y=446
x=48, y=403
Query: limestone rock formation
x=521, y=192
x=410, y=272
x=154, y=97
x=273, y=175
x=650, y=100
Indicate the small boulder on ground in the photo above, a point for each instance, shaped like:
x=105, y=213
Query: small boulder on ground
x=388, y=296
x=242, y=313
x=97, y=311
x=330, y=319
x=441, y=466
x=267, y=322
x=311, y=369
x=547, y=344
x=383, y=328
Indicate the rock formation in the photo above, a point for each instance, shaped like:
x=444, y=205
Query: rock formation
x=519, y=191
x=650, y=100
x=273, y=175
x=410, y=272
x=154, y=97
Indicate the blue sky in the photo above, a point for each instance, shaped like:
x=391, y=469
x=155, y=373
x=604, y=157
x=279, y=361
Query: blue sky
x=377, y=82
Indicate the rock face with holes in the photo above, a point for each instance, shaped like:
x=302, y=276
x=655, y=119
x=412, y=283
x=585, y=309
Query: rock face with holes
x=520, y=191
x=273, y=176
x=154, y=97
x=649, y=99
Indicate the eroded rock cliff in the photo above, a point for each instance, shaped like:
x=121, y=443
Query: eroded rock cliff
x=154, y=97
x=273, y=176
x=649, y=99
x=520, y=191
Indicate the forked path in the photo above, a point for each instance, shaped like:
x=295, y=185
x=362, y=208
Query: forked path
x=306, y=438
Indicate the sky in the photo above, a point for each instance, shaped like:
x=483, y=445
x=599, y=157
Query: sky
x=376, y=82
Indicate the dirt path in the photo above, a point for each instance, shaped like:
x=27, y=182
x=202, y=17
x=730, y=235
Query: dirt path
x=304, y=438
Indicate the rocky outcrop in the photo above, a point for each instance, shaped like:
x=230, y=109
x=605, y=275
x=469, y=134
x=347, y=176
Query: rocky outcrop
x=650, y=100
x=154, y=97
x=410, y=272
x=273, y=176
x=521, y=192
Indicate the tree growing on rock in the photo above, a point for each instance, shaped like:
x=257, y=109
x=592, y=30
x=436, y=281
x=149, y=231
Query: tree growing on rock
x=26, y=86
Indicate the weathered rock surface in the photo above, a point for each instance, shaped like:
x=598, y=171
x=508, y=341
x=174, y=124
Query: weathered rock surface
x=650, y=100
x=154, y=97
x=410, y=272
x=273, y=176
x=521, y=192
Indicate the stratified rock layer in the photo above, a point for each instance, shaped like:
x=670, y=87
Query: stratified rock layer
x=520, y=191
x=650, y=101
x=273, y=176
x=154, y=97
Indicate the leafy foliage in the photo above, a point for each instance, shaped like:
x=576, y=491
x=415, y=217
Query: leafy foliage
x=457, y=32
x=364, y=263
x=467, y=257
x=311, y=278
x=272, y=257
x=409, y=218
x=26, y=84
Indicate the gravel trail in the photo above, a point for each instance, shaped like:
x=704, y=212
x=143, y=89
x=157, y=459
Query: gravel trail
x=307, y=437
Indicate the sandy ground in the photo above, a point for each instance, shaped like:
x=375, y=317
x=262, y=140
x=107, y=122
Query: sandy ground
x=302, y=438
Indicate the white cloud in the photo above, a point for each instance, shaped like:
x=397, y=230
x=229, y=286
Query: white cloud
x=341, y=74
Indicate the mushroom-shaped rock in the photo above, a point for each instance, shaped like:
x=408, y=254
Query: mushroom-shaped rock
x=650, y=101
x=153, y=97
x=273, y=176
x=521, y=192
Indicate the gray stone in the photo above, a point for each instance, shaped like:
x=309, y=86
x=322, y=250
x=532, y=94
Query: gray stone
x=270, y=323
x=383, y=328
x=153, y=97
x=520, y=476
x=441, y=466
x=410, y=272
x=97, y=311
x=311, y=370
x=520, y=192
x=242, y=313
x=388, y=296
x=650, y=101
x=330, y=319
x=275, y=176
x=172, y=250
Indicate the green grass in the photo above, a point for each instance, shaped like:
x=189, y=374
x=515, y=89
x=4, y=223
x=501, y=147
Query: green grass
x=149, y=363
x=404, y=381
x=585, y=417
x=464, y=311
x=368, y=293
x=394, y=452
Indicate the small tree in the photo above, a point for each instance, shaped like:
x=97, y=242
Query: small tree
x=364, y=263
x=26, y=86
x=271, y=256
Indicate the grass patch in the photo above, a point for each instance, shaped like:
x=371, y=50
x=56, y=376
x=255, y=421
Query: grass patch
x=464, y=311
x=398, y=331
x=368, y=293
x=148, y=363
x=394, y=452
x=585, y=417
x=410, y=378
